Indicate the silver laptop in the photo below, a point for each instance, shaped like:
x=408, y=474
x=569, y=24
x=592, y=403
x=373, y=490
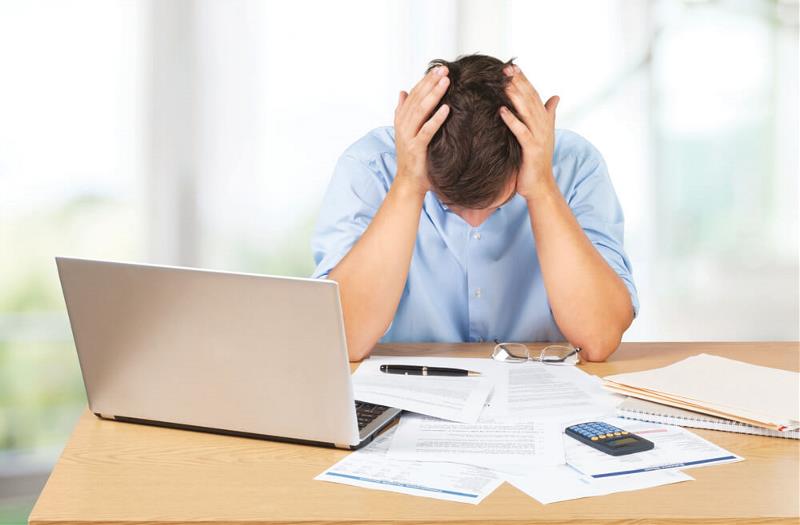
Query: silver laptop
x=241, y=354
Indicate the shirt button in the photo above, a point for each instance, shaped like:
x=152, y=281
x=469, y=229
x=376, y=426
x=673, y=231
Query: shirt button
x=477, y=292
x=476, y=236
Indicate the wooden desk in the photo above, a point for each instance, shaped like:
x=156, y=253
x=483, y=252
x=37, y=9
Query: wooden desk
x=122, y=473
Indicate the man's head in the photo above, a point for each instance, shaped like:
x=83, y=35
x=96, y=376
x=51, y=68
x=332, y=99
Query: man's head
x=473, y=158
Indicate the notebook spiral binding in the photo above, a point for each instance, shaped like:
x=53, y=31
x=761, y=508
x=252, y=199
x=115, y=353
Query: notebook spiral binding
x=641, y=410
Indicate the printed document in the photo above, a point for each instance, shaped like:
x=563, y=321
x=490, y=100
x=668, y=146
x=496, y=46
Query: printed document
x=452, y=398
x=516, y=447
x=530, y=391
x=561, y=483
x=371, y=468
x=675, y=447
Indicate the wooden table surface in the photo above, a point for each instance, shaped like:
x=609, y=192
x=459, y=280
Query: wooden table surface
x=113, y=472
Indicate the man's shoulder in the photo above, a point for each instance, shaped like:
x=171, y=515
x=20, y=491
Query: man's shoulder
x=370, y=160
x=570, y=144
x=373, y=146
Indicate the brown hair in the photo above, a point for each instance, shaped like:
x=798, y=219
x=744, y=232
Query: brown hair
x=472, y=157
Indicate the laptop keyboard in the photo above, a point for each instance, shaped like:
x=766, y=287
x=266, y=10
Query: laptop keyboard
x=367, y=412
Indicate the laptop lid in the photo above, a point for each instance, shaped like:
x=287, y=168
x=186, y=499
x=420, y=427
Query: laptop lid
x=229, y=351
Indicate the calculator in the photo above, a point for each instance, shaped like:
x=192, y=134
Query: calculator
x=608, y=438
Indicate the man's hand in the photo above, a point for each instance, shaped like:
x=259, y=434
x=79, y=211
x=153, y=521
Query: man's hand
x=535, y=133
x=413, y=130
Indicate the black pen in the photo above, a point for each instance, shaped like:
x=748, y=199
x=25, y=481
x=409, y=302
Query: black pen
x=414, y=370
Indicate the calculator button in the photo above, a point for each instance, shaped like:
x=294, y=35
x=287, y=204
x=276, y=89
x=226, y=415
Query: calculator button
x=595, y=438
x=625, y=433
x=617, y=433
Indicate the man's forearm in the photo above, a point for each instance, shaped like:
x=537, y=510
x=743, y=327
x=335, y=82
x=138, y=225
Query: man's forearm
x=373, y=274
x=590, y=303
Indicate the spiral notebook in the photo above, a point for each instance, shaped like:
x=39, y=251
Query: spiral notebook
x=642, y=410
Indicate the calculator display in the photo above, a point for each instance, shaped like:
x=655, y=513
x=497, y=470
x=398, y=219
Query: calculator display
x=620, y=442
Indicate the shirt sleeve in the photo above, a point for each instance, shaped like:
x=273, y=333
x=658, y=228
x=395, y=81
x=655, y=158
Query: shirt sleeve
x=350, y=202
x=595, y=205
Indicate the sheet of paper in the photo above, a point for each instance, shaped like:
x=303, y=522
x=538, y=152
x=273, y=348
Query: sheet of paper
x=725, y=384
x=371, y=468
x=515, y=447
x=452, y=398
x=533, y=391
x=675, y=447
x=561, y=483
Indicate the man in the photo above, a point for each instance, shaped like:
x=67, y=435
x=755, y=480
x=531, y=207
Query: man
x=473, y=219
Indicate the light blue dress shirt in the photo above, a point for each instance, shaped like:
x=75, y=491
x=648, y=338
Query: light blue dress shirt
x=470, y=284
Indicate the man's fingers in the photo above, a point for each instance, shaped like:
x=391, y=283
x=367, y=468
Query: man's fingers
x=423, y=108
x=401, y=98
x=430, y=128
x=551, y=105
x=421, y=81
x=531, y=114
x=517, y=127
x=412, y=115
x=399, y=114
x=519, y=100
x=522, y=83
x=428, y=82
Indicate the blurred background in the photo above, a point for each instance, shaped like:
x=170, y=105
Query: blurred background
x=203, y=133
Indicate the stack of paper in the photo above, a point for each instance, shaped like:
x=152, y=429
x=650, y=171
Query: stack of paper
x=468, y=435
x=516, y=392
x=755, y=395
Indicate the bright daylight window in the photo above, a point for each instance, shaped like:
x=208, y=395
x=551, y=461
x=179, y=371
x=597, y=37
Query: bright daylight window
x=70, y=179
x=108, y=150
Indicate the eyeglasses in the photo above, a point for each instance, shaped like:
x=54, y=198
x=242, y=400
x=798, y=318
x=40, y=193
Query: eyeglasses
x=551, y=355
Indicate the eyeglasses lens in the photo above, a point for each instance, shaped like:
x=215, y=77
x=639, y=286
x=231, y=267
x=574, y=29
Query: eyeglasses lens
x=510, y=352
x=558, y=354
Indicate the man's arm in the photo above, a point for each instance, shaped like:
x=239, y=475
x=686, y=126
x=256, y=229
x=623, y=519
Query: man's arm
x=373, y=274
x=590, y=303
